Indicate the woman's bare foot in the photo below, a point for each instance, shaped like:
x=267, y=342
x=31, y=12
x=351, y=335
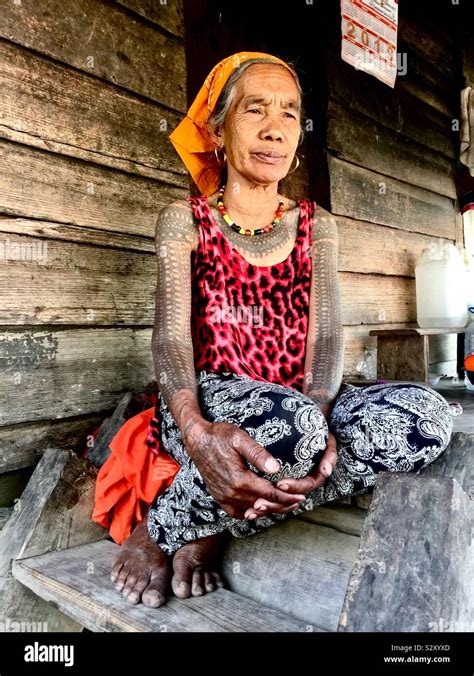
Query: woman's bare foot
x=142, y=570
x=196, y=566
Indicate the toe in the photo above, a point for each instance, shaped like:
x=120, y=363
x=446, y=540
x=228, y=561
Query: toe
x=197, y=586
x=130, y=583
x=209, y=581
x=122, y=577
x=116, y=568
x=153, y=598
x=135, y=594
x=182, y=578
x=217, y=579
x=155, y=593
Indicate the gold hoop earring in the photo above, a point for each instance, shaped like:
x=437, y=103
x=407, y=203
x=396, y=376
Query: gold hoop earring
x=217, y=157
x=297, y=165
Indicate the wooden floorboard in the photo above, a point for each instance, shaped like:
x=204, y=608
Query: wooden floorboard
x=77, y=581
x=298, y=568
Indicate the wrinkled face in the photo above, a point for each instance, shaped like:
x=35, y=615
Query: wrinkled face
x=262, y=127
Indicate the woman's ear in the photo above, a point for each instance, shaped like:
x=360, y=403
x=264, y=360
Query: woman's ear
x=219, y=140
x=217, y=136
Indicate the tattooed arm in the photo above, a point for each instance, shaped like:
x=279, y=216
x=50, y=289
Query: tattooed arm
x=176, y=236
x=324, y=362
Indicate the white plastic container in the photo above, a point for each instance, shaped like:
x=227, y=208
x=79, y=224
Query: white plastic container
x=441, y=289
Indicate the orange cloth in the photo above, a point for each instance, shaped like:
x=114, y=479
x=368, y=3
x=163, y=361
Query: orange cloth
x=130, y=478
x=191, y=139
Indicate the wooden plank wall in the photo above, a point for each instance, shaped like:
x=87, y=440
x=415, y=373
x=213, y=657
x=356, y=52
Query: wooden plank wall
x=392, y=157
x=90, y=91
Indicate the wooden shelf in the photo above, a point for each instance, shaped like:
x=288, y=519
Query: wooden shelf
x=415, y=331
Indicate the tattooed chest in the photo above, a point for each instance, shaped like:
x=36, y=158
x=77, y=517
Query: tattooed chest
x=268, y=249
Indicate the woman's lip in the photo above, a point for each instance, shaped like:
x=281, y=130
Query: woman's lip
x=269, y=159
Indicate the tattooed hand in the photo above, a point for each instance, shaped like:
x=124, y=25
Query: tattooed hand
x=221, y=452
x=309, y=483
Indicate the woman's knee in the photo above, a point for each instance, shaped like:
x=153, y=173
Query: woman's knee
x=295, y=432
x=284, y=421
x=433, y=418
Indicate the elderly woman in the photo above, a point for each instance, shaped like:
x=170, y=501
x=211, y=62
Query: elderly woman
x=248, y=347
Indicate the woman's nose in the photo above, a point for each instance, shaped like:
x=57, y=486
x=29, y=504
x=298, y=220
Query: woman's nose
x=272, y=131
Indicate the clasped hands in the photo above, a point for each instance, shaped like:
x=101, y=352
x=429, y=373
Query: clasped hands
x=313, y=480
x=222, y=452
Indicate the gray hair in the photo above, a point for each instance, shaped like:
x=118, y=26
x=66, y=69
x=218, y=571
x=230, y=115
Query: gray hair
x=227, y=96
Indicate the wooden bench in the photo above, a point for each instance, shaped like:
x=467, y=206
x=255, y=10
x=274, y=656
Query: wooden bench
x=399, y=565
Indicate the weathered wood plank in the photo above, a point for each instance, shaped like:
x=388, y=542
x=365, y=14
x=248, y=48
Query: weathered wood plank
x=343, y=518
x=93, y=290
x=457, y=462
x=395, y=108
x=72, y=233
x=387, y=251
x=402, y=358
x=368, y=196
x=415, y=563
x=360, y=140
x=167, y=14
x=78, y=582
x=100, y=450
x=371, y=299
x=54, y=512
x=415, y=331
x=422, y=79
x=91, y=280
x=100, y=38
x=54, y=108
x=23, y=610
x=91, y=370
x=434, y=44
x=23, y=445
x=41, y=185
x=299, y=568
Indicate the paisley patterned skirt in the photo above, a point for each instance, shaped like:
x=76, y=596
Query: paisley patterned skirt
x=399, y=427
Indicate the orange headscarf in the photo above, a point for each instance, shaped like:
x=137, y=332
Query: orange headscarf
x=191, y=138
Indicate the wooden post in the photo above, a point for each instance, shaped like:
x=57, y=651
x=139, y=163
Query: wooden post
x=403, y=358
x=414, y=567
x=54, y=512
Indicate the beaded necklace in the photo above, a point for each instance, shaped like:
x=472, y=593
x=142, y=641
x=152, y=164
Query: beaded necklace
x=247, y=231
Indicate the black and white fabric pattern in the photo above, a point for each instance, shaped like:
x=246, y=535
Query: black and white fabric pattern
x=398, y=427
